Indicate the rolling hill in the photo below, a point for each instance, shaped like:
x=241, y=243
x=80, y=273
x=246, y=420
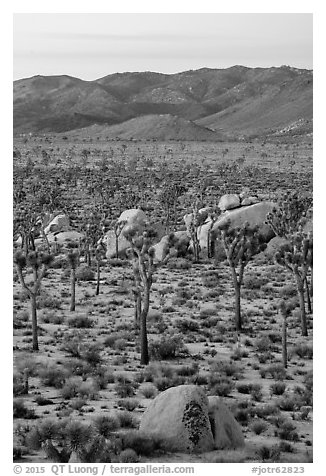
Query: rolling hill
x=163, y=127
x=236, y=101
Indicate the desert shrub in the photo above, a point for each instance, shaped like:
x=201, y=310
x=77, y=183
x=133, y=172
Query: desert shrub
x=124, y=389
x=103, y=377
x=128, y=456
x=184, y=294
x=308, y=381
x=81, y=322
x=266, y=410
x=186, y=325
x=277, y=388
x=148, y=391
x=198, y=379
x=288, y=291
x=242, y=415
x=20, y=385
x=221, y=386
x=287, y=431
x=250, y=388
x=168, y=309
x=163, y=383
x=20, y=319
x=270, y=453
x=304, y=351
x=78, y=367
x=76, y=387
x=84, y=273
x=126, y=419
x=210, y=322
x=78, y=435
x=230, y=369
x=179, y=263
x=254, y=282
x=263, y=344
x=188, y=370
x=168, y=347
x=106, y=424
x=210, y=279
x=88, y=389
x=207, y=312
x=47, y=301
x=276, y=371
x=141, y=443
x=91, y=353
x=289, y=403
x=21, y=411
x=239, y=353
x=120, y=344
x=42, y=401
x=128, y=404
x=286, y=447
x=50, y=317
x=52, y=375
x=258, y=427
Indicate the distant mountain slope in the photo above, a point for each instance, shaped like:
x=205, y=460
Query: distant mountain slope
x=239, y=101
x=153, y=127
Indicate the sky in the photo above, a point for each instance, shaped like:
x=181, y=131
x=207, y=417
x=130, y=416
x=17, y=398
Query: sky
x=92, y=45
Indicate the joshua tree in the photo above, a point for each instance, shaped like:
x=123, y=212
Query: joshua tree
x=289, y=218
x=73, y=260
x=296, y=256
x=99, y=254
x=285, y=312
x=141, y=255
x=39, y=263
x=197, y=219
x=118, y=227
x=240, y=245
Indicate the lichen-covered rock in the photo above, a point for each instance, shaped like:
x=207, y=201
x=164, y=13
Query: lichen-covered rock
x=179, y=418
x=226, y=430
x=229, y=201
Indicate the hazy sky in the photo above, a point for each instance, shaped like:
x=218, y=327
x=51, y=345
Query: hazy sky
x=92, y=45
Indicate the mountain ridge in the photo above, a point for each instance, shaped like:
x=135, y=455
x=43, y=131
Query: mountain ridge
x=239, y=101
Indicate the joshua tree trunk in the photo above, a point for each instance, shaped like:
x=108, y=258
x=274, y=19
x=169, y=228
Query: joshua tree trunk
x=144, y=359
x=137, y=298
x=34, y=321
x=73, y=289
x=116, y=246
x=237, y=302
x=300, y=287
x=308, y=295
x=238, y=319
x=98, y=278
x=284, y=343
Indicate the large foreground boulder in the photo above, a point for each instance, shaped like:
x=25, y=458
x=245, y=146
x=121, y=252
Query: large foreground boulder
x=253, y=214
x=226, y=430
x=179, y=418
